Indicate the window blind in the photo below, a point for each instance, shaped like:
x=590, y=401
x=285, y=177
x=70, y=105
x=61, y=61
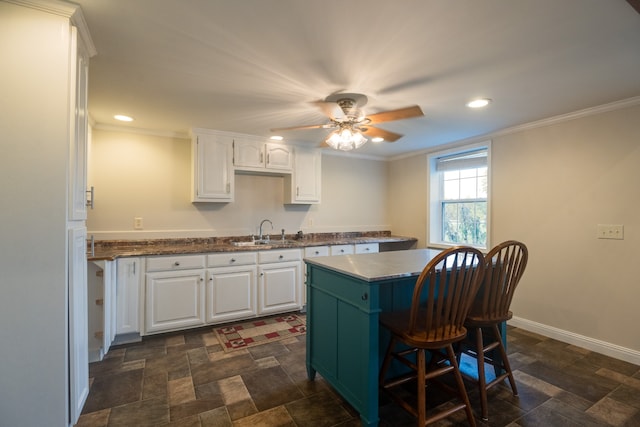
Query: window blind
x=468, y=160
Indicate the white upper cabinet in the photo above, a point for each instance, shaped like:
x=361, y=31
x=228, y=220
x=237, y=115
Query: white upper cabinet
x=258, y=155
x=212, y=167
x=304, y=184
x=79, y=132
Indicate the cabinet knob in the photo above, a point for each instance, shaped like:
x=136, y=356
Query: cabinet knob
x=281, y=256
x=365, y=296
x=342, y=250
x=317, y=252
x=233, y=260
x=177, y=264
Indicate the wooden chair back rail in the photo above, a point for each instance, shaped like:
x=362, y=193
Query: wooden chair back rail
x=450, y=291
x=504, y=267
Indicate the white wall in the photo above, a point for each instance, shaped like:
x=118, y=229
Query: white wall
x=34, y=156
x=551, y=186
x=138, y=175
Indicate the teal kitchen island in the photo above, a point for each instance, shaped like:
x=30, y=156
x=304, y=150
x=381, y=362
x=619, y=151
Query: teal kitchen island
x=345, y=295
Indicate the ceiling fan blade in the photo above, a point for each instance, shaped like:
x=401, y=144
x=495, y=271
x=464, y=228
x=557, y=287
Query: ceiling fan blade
x=330, y=109
x=324, y=126
x=377, y=132
x=635, y=4
x=399, y=114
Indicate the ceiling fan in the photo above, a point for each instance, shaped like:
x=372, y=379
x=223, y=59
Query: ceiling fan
x=351, y=124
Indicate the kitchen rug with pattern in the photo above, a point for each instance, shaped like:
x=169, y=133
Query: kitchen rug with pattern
x=250, y=333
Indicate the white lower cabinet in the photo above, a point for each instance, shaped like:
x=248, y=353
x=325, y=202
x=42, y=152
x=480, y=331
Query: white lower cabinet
x=231, y=293
x=279, y=281
x=174, y=300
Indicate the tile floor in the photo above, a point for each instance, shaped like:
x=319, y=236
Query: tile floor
x=186, y=379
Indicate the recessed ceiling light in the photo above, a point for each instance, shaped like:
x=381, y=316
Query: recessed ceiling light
x=377, y=139
x=123, y=118
x=277, y=138
x=478, y=103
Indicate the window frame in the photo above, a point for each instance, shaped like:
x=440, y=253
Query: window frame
x=435, y=199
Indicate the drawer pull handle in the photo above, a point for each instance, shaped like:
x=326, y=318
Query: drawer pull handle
x=177, y=264
x=365, y=296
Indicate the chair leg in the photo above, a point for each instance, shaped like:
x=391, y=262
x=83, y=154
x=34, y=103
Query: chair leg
x=461, y=390
x=387, y=362
x=422, y=399
x=505, y=360
x=482, y=379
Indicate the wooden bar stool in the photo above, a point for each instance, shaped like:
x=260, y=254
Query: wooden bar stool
x=441, y=300
x=504, y=266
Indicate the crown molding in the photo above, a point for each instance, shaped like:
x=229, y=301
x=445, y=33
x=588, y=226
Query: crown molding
x=151, y=132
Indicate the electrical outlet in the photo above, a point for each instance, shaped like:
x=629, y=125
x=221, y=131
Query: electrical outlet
x=610, y=231
x=137, y=223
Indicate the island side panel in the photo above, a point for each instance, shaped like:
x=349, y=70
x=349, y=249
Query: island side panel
x=342, y=337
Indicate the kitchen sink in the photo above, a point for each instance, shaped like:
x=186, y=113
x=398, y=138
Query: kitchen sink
x=263, y=243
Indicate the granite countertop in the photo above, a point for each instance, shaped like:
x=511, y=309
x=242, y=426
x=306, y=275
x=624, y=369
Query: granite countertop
x=112, y=249
x=378, y=266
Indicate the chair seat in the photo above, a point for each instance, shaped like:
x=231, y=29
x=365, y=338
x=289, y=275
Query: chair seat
x=398, y=323
x=479, y=320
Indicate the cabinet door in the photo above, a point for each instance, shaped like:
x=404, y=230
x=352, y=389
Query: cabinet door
x=174, y=300
x=213, y=178
x=306, y=178
x=279, y=156
x=128, y=272
x=248, y=153
x=279, y=287
x=78, y=320
x=231, y=293
x=79, y=137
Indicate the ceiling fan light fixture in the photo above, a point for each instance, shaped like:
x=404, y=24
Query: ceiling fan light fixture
x=345, y=139
x=377, y=139
x=479, y=103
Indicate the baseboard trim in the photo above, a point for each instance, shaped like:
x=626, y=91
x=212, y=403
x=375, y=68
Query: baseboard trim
x=602, y=347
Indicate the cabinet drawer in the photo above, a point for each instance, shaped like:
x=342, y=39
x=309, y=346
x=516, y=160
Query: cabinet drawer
x=367, y=248
x=284, y=255
x=231, y=258
x=341, y=249
x=313, y=251
x=183, y=262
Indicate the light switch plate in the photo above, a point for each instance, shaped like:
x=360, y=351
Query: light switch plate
x=137, y=223
x=611, y=231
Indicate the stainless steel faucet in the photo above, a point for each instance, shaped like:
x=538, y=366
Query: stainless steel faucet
x=260, y=230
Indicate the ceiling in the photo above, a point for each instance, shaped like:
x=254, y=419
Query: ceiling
x=248, y=66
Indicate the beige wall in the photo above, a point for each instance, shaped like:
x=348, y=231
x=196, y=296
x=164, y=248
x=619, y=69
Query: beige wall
x=138, y=175
x=551, y=186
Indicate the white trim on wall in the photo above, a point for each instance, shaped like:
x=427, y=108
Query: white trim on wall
x=603, y=347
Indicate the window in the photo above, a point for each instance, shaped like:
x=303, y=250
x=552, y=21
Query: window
x=459, y=193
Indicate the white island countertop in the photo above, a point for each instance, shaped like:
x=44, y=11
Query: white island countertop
x=378, y=266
